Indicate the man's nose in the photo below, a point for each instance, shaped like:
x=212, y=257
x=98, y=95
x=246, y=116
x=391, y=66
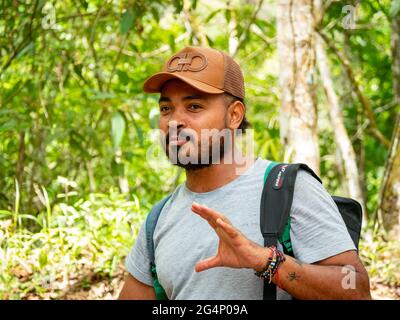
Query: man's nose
x=176, y=123
x=174, y=127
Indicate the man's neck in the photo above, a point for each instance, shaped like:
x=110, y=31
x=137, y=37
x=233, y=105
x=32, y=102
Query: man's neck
x=217, y=175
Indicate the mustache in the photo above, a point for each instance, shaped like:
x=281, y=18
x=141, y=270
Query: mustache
x=182, y=134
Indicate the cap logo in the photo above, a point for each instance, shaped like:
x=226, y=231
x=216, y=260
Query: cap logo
x=185, y=61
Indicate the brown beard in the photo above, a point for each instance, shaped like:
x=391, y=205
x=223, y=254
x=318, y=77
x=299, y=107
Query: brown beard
x=197, y=165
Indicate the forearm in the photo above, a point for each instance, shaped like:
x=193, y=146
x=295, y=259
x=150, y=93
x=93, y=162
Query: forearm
x=326, y=279
x=309, y=281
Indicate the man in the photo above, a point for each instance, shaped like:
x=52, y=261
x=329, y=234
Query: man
x=208, y=243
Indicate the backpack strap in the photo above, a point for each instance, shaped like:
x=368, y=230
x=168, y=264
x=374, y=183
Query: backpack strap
x=276, y=202
x=284, y=236
x=151, y=222
x=269, y=231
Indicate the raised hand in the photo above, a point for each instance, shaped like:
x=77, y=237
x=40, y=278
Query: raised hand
x=234, y=249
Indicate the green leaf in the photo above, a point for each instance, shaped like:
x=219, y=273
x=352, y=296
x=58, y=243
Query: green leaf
x=30, y=217
x=139, y=132
x=210, y=41
x=117, y=128
x=77, y=141
x=212, y=15
x=123, y=77
x=117, y=169
x=5, y=213
x=155, y=14
x=43, y=258
x=178, y=4
x=126, y=21
x=113, y=266
x=9, y=94
x=78, y=69
x=84, y=4
x=228, y=15
x=10, y=125
x=172, y=42
x=395, y=8
x=29, y=48
x=129, y=155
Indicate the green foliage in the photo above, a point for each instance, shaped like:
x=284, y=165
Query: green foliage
x=90, y=234
x=381, y=256
x=74, y=121
x=117, y=129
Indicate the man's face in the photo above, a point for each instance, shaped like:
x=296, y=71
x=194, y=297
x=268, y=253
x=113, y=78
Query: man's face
x=185, y=116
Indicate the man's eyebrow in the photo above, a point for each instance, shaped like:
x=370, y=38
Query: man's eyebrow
x=193, y=97
x=164, y=99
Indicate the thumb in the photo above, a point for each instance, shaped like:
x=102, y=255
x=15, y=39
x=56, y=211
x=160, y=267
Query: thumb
x=208, y=263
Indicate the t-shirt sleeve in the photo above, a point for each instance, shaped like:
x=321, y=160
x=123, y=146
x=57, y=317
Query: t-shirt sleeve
x=138, y=262
x=317, y=228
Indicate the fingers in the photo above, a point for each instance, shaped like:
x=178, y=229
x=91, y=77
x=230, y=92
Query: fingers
x=207, y=264
x=216, y=220
x=228, y=228
x=207, y=213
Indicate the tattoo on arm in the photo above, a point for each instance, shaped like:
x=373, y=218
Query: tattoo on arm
x=293, y=276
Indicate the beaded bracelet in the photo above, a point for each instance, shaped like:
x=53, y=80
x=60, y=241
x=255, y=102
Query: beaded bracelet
x=273, y=262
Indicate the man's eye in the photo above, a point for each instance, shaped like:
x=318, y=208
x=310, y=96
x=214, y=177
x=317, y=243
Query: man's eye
x=164, y=108
x=194, y=107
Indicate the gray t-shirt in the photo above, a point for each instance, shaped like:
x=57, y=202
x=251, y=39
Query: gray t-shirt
x=182, y=238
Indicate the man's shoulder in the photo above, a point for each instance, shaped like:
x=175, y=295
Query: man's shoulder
x=164, y=202
x=305, y=181
x=311, y=194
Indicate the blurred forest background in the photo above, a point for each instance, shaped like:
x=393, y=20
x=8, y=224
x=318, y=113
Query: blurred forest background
x=322, y=85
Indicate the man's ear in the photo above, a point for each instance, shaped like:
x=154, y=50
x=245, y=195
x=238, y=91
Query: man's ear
x=235, y=114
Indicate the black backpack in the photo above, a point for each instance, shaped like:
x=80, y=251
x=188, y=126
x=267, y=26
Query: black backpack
x=276, y=202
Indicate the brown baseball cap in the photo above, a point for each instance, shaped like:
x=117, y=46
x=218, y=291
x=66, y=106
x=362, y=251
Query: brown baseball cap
x=205, y=69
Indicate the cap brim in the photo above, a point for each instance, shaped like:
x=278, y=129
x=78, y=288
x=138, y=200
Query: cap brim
x=156, y=81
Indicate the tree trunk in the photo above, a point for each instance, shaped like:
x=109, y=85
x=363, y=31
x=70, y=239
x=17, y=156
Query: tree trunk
x=296, y=79
x=342, y=140
x=359, y=122
x=233, y=34
x=389, y=209
x=395, y=46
